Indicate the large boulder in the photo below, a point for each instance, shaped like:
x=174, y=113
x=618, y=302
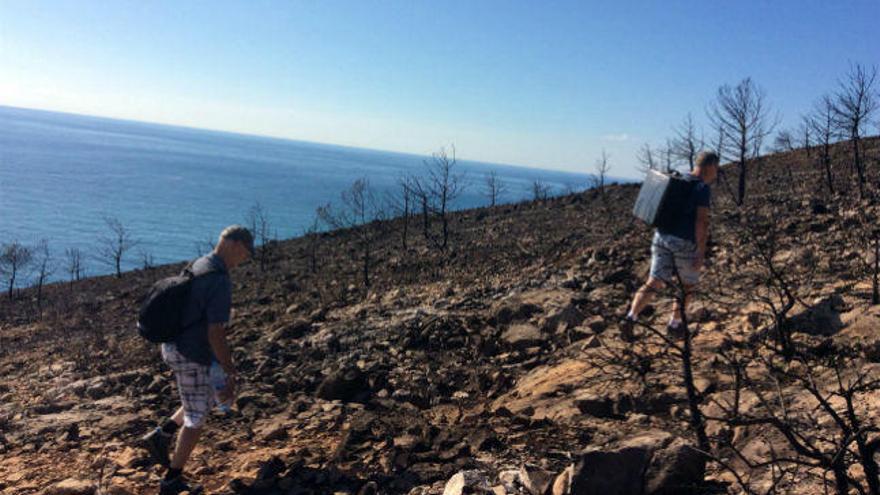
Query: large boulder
x=569, y=317
x=653, y=463
x=514, y=309
x=522, y=335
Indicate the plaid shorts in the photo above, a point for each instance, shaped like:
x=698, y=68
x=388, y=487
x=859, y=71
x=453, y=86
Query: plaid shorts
x=194, y=385
x=671, y=255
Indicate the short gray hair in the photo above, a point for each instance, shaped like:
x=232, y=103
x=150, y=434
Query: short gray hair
x=706, y=158
x=240, y=234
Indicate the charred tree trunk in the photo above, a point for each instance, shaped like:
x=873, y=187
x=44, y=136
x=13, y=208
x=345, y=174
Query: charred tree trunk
x=696, y=416
x=875, y=282
x=425, y=219
x=841, y=480
x=366, y=267
x=860, y=170
x=741, y=188
x=405, y=232
x=826, y=161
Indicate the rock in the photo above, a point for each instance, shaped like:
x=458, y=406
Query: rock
x=97, y=390
x=598, y=407
x=276, y=429
x=115, y=489
x=536, y=481
x=596, y=323
x=464, y=482
x=570, y=316
x=348, y=384
x=52, y=407
x=817, y=207
x=510, y=480
x=270, y=470
x=157, y=383
x=678, y=468
x=522, y=336
x=482, y=439
x=752, y=320
x=514, y=310
x=591, y=343
x=369, y=488
x=821, y=319
x=616, y=472
x=617, y=277
x=318, y=315
x=653, y=463
x=562, y=483
x=131, y=458
x=128, y=377
x=246, y=398
x=71, y=486
x=288, y=331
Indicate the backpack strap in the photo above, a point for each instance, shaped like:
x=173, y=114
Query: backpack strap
x=188, y=271
x=191, y=275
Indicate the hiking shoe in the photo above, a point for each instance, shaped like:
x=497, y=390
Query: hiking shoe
x=178, y=485
x=157, y=443
x=627, y=326
x=675, y=331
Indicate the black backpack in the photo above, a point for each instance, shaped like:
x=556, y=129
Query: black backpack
x=160, y=318
x=663, y=198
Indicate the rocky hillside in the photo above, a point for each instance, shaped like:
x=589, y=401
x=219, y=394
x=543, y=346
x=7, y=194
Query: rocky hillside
x=494, y=366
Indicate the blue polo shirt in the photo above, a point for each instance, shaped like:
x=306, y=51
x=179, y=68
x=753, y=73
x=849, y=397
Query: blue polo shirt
x=210, y=302
x=685, y=226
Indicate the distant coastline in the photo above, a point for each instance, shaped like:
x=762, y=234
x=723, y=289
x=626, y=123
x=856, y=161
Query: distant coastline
x=62, y=174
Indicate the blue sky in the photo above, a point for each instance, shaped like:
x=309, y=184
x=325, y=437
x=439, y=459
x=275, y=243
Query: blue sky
x=544, y=84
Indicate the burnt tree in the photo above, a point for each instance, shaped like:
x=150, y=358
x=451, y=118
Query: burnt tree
x=741, y=112
x=15, y=257
x=822, y=124
x=114, y=245
x=686, y=144
x=854, y=105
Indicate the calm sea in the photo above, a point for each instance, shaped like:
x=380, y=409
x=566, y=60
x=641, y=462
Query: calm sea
x=175, y=188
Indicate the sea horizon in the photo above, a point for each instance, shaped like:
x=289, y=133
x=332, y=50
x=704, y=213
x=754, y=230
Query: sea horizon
x=175, y=187
x=269, y=137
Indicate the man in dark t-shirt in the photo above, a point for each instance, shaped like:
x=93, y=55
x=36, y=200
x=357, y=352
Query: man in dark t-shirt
x=678, y=251
x=201, y=345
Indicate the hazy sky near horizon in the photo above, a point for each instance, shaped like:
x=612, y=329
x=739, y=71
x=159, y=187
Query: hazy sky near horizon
x=543, y=84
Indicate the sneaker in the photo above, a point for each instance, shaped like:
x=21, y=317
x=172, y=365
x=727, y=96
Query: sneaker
x=626, y=329
x=178, y=485
x=157, y=443
x=675, y=331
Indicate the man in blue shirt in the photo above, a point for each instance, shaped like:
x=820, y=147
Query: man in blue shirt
x=679, y=250
x=194, y=351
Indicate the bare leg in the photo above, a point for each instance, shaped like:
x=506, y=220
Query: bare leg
x=177, y=417
x=645, y=295
x=186, y=442
x=677, y=307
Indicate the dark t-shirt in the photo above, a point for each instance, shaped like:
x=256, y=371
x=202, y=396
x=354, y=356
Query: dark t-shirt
x=685, y=226
x=210, y=302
